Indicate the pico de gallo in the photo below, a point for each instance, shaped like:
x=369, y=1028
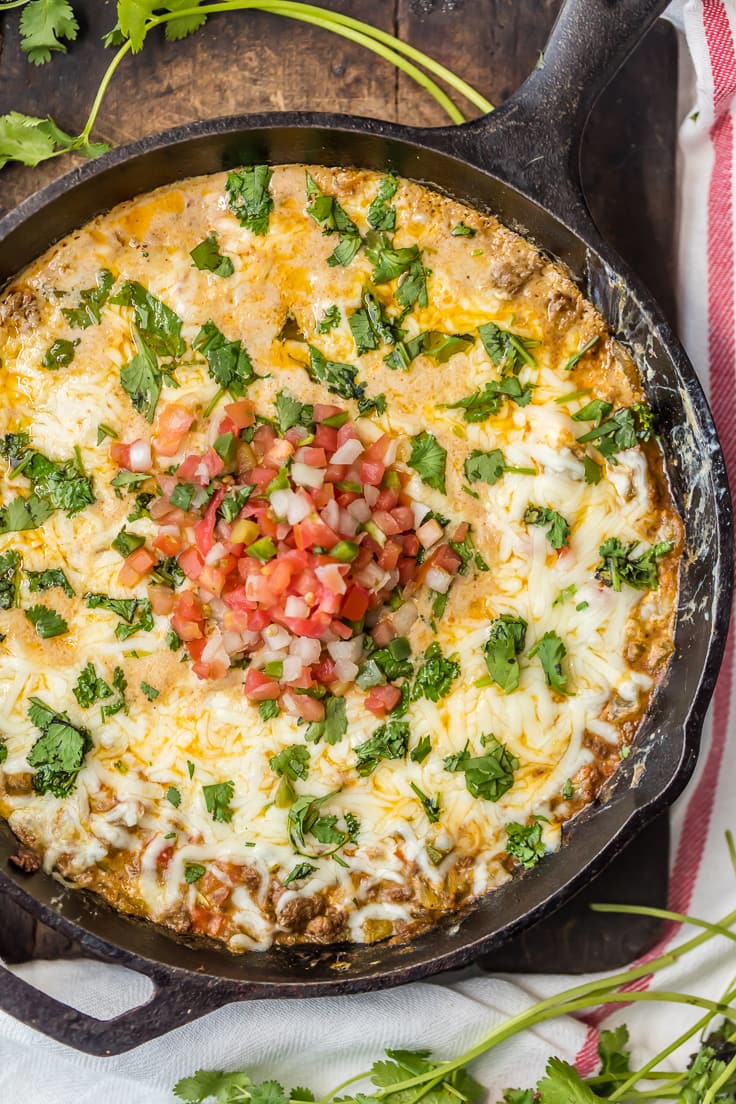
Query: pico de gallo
x=299, y=547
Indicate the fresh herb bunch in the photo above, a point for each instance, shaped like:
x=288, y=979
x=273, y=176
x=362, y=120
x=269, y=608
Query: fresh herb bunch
x=47, y=26
x=406, y=1077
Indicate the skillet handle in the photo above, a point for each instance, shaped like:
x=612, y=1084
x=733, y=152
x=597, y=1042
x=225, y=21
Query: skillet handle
x=176, y=999
x=533, y=140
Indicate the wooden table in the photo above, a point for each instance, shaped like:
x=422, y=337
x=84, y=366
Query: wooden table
x=249, y=61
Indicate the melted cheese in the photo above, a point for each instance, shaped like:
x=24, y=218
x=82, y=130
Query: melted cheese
x=116, y=828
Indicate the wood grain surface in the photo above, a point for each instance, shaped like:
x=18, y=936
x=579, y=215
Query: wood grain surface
x=250, y=61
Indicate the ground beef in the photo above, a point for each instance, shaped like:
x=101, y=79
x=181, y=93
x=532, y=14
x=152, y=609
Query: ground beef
x=325, y=929
x=297, y=913
x=26, y=860
x=21, y=309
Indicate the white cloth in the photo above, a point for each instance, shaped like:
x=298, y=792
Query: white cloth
x=320, y=1042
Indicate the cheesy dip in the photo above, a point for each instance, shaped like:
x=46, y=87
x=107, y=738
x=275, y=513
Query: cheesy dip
x=337, y=559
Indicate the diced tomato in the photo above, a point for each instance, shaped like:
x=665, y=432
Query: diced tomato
x=161, y=598
x=410, y=543
x=342, y=630
x=346, y=432
x=227, y=425
x=168, y=543
x=235, y=620
x=258, y=620
x=323, y=495
x=136, y=566
x=382, y=699
x=172, y=425
x=461, y=532
x=387, y=499
x=355, y=604
x=335, y=473
x=313, y=531
x=404, y=517
x=191, y=562
x=325, y=437
x=313, y=626
x=164, y=857
x=187, y=620
x=279, y=573
x=205, y=921
x=324, y=671
x=386, y=523
x=263, y=438
x=259, y=687
x=214, y=576
x=312, y=457
x=213, y=462
x=280, y=451
x=301, y=705
x=372, y=472
x=241, y=413
x=389, y=557
x=446, y=558
x=204, y=530
x=383, y=633
x=323, y=411
x=120, y=454
x=379, y=448
x=407, y=569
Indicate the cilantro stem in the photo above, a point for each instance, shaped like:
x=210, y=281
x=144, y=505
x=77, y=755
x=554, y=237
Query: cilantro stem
x=6, y=5
x=101, y=91
x=214, y=401
x=307, y=13
x=665, y=914
x=712, y=1092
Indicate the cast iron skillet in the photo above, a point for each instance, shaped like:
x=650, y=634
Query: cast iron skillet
x=521, y=163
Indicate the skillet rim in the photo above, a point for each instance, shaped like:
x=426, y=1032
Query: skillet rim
x=464, y=148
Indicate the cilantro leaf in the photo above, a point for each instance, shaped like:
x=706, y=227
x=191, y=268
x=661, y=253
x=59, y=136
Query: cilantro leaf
x=167, y=572
x=428, y=458
x=159, y=324
x=564, y=1085
x=484, y=467
x=463, y=231
x=59, y=354
x=234, y=501
x=249, y=197
x=228, y=361
x=329, y=320
x=29, y=140
x=390, y=263
x=207, y=1084
x=370, y=326
x=217, y=798
x=127, y=609
x=142, y=379
x=43, y=23
x=381, y=216
x=615, y=1059
x=9, y=579
x=524, y=842
x=290, y=412
x=91, y=302
x=207, y=257
x=390, y=741
x=300, y=871
x=193, y=872
x=432, y=343
x=593, y=471
x=305, y=819
x=501, y=651
x=290, y=764
x=559, y=529
x=551, y=652
x=24, y=513
x=436, y=675
x=58, y=754
x=90, y=688
x=333, y=219
x=507, y=350
x=413, y=287
x=150, y=691
x=268, y=709
x=481, y=405
x=47, y=622
x=421, y=750
x=173, y=796
x=488, y=776
x=620, y=565
x=625, y=429
x=333, y=727
x=340, y=379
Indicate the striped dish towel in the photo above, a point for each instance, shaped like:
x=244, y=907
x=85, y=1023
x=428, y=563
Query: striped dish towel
x=321, y=1042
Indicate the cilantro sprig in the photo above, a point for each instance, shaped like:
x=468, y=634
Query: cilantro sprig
x=58, y=754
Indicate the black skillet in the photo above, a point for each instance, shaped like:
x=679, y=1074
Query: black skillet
x=521, y=163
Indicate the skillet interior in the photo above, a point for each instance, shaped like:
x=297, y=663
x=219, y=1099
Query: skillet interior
x=666, y=745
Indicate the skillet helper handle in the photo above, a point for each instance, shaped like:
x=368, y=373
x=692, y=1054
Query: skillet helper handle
x=176, y=1000
x=533, y=140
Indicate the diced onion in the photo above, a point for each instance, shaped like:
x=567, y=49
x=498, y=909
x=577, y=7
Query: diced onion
x=296, y=606
x=438, y=579
x=305, y=476
x=293, y=667
x=404, y=617
x=347, y=452
x=140, y=456
x=370, y=494
x=307, y=649
x=345, y=670
x=360, y=510
x=429, y=533
x=346, y=649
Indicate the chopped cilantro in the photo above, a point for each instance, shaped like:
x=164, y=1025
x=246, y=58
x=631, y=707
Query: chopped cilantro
x=381, y=216
x=333, y=219
x=159, y=324
x=551, y=652
x=47, y=622
x=559, y=529
x=524, y=842
x=90, y=688
x=432, y=343
x=481, y=405
x=573, y=360
x=173, y=796
x=431, y=805
x=207, y=257
x=329, y=319
x=150, y=691
x=9, y=579
x=333, y=727
x=91, y=302
x=501, y=651
x=193, y=872
x=463, y=231
x=249, y=197
x=488, y=776
x=507, y=350
x=390, y=741
x=126, y=542
x=300, y=871
x=435, y=677
x=429, y=458
x=305, y=819
x=268, y=709
x=484, y=467
x=60, y=354
x=340, y=379
x=421, y=750
x=623, y=430
x=228, y=362
x=619, y=564
x=217, y=798
x=58, y=754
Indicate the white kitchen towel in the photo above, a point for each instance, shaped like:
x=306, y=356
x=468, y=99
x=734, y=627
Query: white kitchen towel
x=320, y=1042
